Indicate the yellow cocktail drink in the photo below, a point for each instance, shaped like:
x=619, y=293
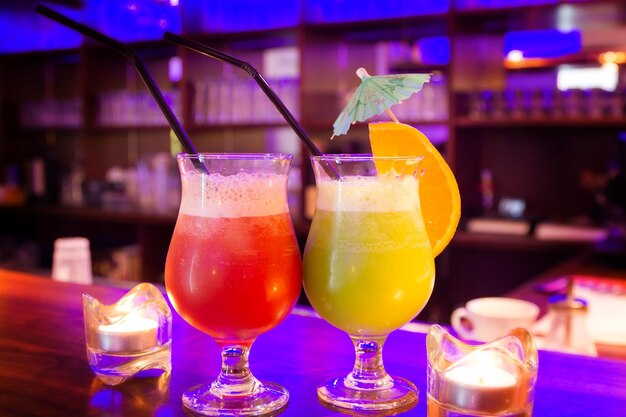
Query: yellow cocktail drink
x=368, y=265
x=368, y=268
x=369, y=258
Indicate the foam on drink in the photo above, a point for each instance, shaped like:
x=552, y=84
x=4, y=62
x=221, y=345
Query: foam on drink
x=368, y=194
x=240, y=195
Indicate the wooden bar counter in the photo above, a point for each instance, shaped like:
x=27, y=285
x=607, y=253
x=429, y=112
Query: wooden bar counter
x=44, y=370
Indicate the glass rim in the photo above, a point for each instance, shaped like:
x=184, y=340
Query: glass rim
x=351, y=157
x=235, y=156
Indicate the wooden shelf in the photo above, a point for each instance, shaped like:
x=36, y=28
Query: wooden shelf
x=93, y=46
x=490, y=13
x=41, y=54
x=105, y=228
x=553, y=151
x=43, y=129
x=117, y=215
x=122, y=129
x=589, y=57
x=512, y=243
x=328, y=125
x=227, y=126
x=392, y=22
x=410, y=66
x=139, y=217
x=503, y=19
x=463, y=122
x=210, y=38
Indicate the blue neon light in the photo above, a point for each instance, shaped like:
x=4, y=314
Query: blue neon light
x=543, y=43
x=435, y=50
x=24, y=31
x=332, y=11
x=133, y=20
x=240, y=15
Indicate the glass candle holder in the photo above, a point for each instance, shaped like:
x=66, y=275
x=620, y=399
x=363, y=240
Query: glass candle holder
x=492, y=379
x=129, y=338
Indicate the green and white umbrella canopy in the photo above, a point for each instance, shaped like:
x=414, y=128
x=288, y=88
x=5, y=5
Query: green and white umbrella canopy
x=375, y=95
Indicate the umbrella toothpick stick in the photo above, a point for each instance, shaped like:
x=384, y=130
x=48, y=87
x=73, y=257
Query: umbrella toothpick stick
x=393, y=116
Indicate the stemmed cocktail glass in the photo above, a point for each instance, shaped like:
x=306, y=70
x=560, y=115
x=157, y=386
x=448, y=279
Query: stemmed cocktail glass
x=233, y=269
x=368, y=268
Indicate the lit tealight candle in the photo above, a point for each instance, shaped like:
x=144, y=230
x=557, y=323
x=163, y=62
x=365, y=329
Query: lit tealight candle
x=480, y=386
x=135, y=334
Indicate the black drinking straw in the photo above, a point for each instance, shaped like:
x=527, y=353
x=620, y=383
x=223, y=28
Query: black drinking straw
x=129, y=53
x=221, y=56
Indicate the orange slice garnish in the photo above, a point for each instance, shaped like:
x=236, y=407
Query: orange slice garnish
x=439, y=193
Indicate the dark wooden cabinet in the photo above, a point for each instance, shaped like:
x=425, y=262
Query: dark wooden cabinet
x=88, y=106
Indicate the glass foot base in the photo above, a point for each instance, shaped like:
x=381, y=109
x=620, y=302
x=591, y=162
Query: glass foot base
x=269, y=398
x=336, y=393
x=436, y=409
x=115, y=368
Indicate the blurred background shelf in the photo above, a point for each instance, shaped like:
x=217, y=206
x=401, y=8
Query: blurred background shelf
x=78, y=112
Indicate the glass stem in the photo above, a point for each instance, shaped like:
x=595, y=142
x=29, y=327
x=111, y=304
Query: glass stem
x=369, y=372
x=235, y=378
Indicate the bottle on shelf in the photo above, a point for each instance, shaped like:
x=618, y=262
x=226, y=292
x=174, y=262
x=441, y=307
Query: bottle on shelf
x=44, y=183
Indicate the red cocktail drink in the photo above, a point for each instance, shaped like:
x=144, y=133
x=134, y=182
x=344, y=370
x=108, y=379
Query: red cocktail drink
x=233, y=278
x=233, y=269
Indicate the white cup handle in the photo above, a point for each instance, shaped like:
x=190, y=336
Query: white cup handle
x=455, y=320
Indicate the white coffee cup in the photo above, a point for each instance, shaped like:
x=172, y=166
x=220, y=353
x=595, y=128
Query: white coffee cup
x=485, y=319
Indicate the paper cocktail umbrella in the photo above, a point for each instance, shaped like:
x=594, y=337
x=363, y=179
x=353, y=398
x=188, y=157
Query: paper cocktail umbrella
x=375, y=95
